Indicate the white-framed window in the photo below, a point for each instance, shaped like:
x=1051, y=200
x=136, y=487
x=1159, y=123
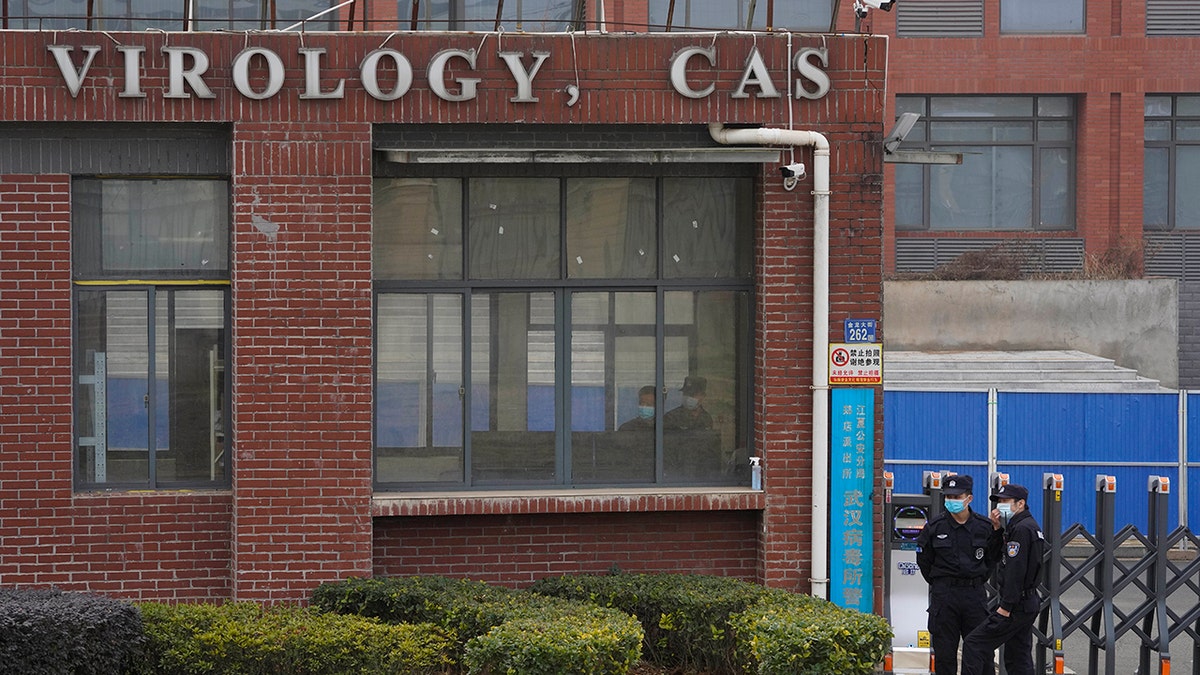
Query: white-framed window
x=151, y=306
x=1017, y=172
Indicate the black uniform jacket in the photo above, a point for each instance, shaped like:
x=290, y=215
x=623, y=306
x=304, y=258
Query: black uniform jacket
x=1021, y=564
x=952, y=552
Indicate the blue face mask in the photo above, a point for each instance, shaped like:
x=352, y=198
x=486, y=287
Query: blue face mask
x=646, y=411
x=956, y=505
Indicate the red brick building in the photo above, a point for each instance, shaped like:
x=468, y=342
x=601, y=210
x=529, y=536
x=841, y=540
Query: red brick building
x=277, y=308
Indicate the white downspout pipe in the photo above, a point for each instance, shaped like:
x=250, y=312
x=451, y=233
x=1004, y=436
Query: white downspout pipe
x=820, y=319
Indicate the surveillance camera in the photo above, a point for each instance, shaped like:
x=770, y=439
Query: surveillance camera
x=885, y=5
x=792, y=170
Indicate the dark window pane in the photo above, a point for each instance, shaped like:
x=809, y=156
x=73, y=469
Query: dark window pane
x=1040, y=16
x=704, y=228
x=1187, y=197
x=1155, y=196
x=151, y=227
x=417, y=232
x=514, y=227
x=611, y=229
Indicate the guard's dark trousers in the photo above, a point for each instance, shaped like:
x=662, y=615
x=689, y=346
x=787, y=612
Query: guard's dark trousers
x=1015, y=632
x=954, y=611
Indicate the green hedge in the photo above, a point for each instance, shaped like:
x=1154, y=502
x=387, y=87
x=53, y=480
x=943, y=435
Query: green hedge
x=718, y=624
x=787, y=634
x=245, y=638
x=48, y=631
x=499, y=630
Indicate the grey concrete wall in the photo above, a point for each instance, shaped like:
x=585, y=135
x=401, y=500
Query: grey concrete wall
x=1134, y=322
x=1189, y=335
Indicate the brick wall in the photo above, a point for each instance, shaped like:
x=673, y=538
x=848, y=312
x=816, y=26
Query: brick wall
x=1189, y=335
x=300, y=508
x=520, y=549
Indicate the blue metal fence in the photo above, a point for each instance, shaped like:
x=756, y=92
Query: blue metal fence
x=1078, y=435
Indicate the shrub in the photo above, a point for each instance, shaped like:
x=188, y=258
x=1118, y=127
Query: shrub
x=788, y=634
x=51, y=631
x=685, y=617
x=719, y=624
x=244, y=638
x=499, y=630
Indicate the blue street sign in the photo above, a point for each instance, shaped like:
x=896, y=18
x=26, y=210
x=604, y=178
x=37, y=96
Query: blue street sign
x=859, y=330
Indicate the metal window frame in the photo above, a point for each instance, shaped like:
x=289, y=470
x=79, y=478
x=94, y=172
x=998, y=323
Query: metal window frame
x=927, y=142
x=1172, y=147
x=563, y=289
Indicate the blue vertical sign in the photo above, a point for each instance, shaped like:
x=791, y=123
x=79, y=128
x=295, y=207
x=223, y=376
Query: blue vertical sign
x=851, y=470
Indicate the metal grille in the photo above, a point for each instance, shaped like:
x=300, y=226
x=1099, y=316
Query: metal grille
x=1044, y=255
x=1165, y=17
x=939, y=18
x=1175, y=255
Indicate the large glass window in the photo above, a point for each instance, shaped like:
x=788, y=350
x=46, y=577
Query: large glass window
x=810, y=15
x=1170, y=200
x=1040, y=16
x=588, y=331
x=150, y=263
x=534, y=16
x=1018, y=167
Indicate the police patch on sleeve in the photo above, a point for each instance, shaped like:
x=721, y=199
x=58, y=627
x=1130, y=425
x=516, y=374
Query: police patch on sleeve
x=979, y=554
x=1014, y=547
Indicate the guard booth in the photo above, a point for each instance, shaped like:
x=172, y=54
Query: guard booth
x=905, y=593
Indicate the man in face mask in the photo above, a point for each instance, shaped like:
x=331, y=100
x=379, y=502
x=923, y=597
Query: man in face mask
x=957, y=550
x=645, y=414
x=691, y=415
x=1011, y=624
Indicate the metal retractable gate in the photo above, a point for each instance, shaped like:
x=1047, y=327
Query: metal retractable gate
x=1097, y=588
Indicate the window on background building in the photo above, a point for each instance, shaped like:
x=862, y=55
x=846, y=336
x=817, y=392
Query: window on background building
x=534, y=16
x=1170, y=200
x=151, y=292
x=810, y=15
x=562, y=331
x=1040, y=16
x=137, y=15
x=1017, y=172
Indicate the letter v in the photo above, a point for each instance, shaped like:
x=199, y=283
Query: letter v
x=74, y=78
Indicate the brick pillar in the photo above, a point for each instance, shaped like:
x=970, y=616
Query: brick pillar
x=302, y=357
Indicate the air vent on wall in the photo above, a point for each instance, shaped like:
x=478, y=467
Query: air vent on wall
x=939, y=18
x=1041, y=255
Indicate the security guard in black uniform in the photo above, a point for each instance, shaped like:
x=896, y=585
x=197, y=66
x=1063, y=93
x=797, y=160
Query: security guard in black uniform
x=956, y=552
x=1011, y=624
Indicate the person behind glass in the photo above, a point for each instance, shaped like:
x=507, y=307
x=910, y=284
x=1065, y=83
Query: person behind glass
x=645, y=414
x=691, y=415
x=1011, y=624
x=956, y=552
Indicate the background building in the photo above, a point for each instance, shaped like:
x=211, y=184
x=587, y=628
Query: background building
x=280, y=307
x=1077, y=123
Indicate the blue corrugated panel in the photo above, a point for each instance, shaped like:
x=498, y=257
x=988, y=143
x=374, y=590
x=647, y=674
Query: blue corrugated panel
x=940, y=431
x=1130, y=436
x=1193, y=457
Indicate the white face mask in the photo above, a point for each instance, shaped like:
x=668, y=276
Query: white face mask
x=1005, y=509
x=691, y=402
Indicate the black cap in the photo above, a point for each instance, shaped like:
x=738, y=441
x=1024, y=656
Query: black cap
x=693, y=385
x=1010, y=491
x=957, y=485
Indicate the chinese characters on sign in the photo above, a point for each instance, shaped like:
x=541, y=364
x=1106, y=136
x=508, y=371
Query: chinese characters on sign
x=860, y=363
x=852, y=465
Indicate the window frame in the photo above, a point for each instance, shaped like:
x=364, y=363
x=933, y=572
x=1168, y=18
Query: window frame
x=1171, y=146
x=151, y=285
x=1082, y=30
x=564, y=288
x=920, y=139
